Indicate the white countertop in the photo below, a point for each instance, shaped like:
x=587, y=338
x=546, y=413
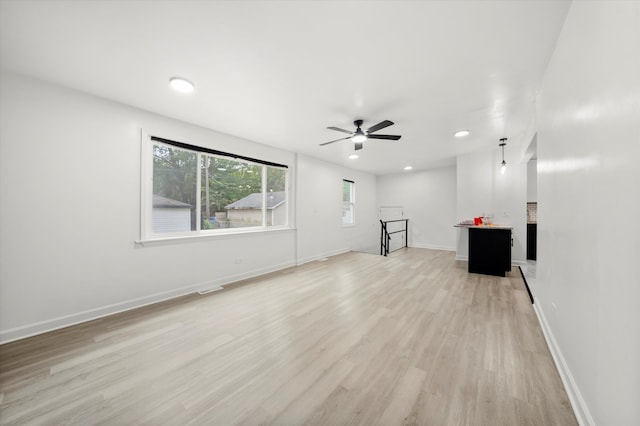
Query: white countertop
x=491, y=226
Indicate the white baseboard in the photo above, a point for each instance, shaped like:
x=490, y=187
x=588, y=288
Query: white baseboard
x=246, y=275
x=578, y=403
x=321, y=256
x=41, y=327
x=432, y=247
x=513, y=262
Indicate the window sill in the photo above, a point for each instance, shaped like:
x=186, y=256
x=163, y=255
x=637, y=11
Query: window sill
x=204, y=235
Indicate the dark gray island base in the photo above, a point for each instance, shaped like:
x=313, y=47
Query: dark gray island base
x=489, y=249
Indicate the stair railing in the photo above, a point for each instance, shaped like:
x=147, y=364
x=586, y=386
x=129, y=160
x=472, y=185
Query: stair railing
x=385, y=235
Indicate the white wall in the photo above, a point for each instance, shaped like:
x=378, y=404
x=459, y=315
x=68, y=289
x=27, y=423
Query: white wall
x=481, y=188
x=587, y=287
x=70, y=212
x=428, y=199
x=319, y=210
x=532, y=181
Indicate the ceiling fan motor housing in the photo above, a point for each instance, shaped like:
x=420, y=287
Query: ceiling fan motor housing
x=359, y=136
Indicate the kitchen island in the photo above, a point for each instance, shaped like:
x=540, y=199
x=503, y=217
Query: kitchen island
x=532, y=237
x=489, y=249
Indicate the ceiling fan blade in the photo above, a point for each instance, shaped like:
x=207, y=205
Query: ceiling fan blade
x=358, y=145
x=379, y=126
x=337, y=140
x=389, y=137
x=340, y=130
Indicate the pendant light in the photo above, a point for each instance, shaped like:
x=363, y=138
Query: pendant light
x=503, y=165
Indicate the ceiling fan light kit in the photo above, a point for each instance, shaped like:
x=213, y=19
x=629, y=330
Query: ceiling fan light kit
x=358, y=136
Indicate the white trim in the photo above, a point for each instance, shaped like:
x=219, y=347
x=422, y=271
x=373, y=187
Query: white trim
x=213, y=234
x=41, y=327
x=199, y=192
x=251, y=274
x=263, y=188
x=29, y=330
x=146, y=184
x=466, y=259
x=322, y=255
x=432, y=247
x=578, y=403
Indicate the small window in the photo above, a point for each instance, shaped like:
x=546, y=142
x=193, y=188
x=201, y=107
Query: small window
x=348, y=202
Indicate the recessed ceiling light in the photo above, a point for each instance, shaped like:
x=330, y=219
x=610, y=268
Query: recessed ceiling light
x=353, y=156
x=461, y=133
x=408, y=168
x=181, y=85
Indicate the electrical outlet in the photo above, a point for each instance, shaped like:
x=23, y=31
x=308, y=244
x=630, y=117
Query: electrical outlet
x=554, y=308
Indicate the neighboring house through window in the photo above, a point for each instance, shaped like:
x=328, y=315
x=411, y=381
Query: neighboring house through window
x=170, y=215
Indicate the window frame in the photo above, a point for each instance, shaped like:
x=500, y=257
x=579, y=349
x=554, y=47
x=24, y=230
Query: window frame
x=148, y=141
x=351, y=202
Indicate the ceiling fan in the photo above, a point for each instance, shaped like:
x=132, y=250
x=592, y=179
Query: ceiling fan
x=359, y=136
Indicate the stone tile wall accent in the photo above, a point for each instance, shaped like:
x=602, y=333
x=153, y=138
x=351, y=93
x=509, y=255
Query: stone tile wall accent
x=532, y=212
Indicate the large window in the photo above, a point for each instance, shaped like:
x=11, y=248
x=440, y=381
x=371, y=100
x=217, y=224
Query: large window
x=197, y=190
x=348, y=202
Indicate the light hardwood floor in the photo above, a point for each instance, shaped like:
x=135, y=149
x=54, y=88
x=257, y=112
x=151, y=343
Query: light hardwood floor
x=356, y=339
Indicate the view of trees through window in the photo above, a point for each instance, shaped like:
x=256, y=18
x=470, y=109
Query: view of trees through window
x=174, y=189
x=231, y=192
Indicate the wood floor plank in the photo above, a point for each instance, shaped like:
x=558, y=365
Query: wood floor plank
x=411, y=338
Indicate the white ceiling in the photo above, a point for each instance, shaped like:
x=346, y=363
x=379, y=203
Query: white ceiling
x=280, y=72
